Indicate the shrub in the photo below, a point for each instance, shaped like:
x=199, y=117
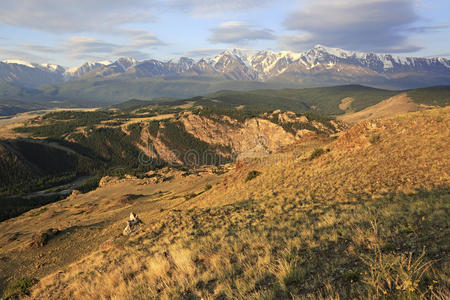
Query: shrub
x=316, y=153
x=374, y=139
x=190, y=196
x=89, y=184
x=19, y=288
x=252, y=175
x=208, y=187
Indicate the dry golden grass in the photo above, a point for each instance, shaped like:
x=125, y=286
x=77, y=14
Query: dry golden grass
x=367, y=219
x=7, y=125
x=86, y=222
x=248, y=251
x=402, y=154
x=400, y=103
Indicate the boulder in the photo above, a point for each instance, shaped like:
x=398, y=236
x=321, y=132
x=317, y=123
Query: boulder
x=132, y=222
x=40, y=239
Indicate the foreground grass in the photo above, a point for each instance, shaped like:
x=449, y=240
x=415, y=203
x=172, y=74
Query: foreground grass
x=280, y=248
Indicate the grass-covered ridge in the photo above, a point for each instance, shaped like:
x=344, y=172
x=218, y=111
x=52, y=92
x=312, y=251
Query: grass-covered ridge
x=435, y=96
x=324, y=101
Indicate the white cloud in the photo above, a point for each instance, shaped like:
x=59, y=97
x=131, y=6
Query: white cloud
x=7, y=53
x=66, y=16
x=202, y=52
x=209, y=8
x=82, y=47
x=369, y=25
x=239, y=32
x=143, y=38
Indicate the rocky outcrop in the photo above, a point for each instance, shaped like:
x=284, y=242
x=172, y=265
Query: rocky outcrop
x=132, y=222
x=252, y=137
x=40, y=239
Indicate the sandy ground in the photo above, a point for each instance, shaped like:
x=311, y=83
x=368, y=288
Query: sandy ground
x=345, y=103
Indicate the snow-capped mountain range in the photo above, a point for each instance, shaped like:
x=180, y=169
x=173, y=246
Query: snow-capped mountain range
x=318, y=65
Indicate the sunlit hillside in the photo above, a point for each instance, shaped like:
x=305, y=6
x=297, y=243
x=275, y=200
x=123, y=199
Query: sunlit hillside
x=363, y=215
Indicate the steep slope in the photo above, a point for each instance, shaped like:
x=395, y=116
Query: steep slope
x=30, y=75
x=70, y=144
x=86, y=68
x=401, y=154
x=368, y=218
x=27, y=165
x=400, y=103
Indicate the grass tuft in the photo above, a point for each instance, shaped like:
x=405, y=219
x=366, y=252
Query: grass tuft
x=252, y=175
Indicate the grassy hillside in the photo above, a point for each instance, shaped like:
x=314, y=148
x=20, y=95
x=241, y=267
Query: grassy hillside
x=363, y=216
x=116, y=90
x=26, y=166
x=12, y=107
x=324, y=101
x=435, y=96
x=67, y=144
x=219, y=93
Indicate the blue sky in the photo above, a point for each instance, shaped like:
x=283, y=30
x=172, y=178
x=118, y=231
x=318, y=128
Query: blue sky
x=70, y=32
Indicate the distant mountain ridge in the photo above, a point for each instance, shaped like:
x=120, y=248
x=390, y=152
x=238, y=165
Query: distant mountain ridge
x=318, y=66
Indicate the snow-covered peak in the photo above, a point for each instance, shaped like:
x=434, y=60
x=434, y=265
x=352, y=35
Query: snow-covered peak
x=96, y=63
x=444, y=61
x=183, y=60
x=290, y=55
x=131, y=60
x=19, y=62
x=53, y=68
x=319, y=50
x=72, y=70
x=126, y=62
x=243, y=55
x=87, y=67
x=102, y=62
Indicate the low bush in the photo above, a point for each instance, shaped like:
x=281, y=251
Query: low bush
x=316, y=153
x=19, y=288
x=374, y=139
x=89, y=184
x=252, y=175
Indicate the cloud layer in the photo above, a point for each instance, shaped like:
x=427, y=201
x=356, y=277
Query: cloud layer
x=369, y=25
x=209, y=8
x=60, y=16
x=239, y=32
x=72, y=31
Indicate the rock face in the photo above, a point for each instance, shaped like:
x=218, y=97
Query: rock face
x=223, y=138
x=41, y=239
x=252, y=137
x=132, y=222
x=30, y=75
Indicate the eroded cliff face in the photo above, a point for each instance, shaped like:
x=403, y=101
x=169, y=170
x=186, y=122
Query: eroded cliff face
x=253, y=137
x=154, y=148
x=232, y=138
